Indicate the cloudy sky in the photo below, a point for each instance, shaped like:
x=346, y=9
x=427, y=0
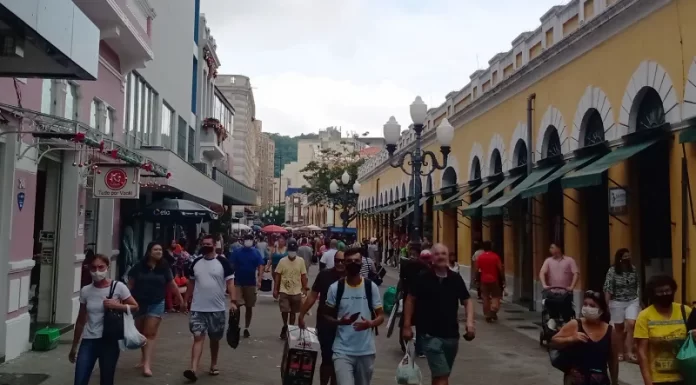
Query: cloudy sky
x=354, y=63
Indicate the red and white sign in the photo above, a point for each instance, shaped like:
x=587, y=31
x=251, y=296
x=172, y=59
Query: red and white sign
x=117, y=182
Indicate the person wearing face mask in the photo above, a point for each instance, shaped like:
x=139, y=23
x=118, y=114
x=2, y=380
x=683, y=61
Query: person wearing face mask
x=149, y=282
x=408, y=276
x=589, y=341
x=660, y=332
x=102, y=294
x=248, y=267
x=621, y=293
x=290, y=279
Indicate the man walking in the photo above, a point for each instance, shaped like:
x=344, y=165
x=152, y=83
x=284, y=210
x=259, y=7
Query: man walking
x=210, y=278
x=305, y=252
x=492, y=281
x=373, y=252
x=327, y=259
x=438, y=292
x=357, y=309
x=290, y=284
x=248, y=266
x=326, y=332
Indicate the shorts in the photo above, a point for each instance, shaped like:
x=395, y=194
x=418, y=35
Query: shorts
x=289, y=303
x=326, y=336
x=211, y=323
x=624, y=310
x=246, y=296
x=440, y=353
x=492, y=290
x=154, y=310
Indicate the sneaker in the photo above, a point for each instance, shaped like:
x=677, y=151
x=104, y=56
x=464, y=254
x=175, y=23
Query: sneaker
x=421, y=355
x=246, y=333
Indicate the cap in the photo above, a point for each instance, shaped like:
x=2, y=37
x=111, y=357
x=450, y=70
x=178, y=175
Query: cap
x=292, y=244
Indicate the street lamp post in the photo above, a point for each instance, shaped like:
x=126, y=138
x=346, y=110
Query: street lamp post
x=418, y=158
x=343, y=195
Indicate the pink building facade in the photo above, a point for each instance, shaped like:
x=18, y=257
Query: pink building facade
x=48, y=217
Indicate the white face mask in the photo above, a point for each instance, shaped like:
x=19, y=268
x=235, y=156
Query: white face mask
x=98, y=276
x=248, y=243
x=292, y=254
x=591, y=313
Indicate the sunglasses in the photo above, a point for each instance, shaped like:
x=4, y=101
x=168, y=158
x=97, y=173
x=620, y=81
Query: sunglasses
x=336, y=260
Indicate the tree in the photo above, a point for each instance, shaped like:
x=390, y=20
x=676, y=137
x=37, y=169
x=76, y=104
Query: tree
x=330, y=167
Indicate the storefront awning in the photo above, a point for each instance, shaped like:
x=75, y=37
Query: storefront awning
x=688, y=135
x=474, y=209
x=391, y=207
x=453, y=201
x=496, y=207
x=410, y=208
x=482, y=186
x=592, y=174
x=542, y=186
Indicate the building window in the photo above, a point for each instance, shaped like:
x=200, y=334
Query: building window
x=131, y=110
x=47, y=96
x=191, y=145
x=109, y=121
x=181, y=143
x=70, y=101
x=166, y=126
x=141, y=110
x=93, y=114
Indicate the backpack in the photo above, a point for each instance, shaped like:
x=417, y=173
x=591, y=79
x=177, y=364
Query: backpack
x=367, y=284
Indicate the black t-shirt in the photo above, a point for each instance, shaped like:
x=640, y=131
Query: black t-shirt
x=410, y=270
x=150, y=284
x=321, y=285
x=437, y=303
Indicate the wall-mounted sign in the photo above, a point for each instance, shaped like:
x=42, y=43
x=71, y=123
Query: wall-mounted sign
x=618, y=201
x=117, y=182
x=20, y=200
x=45, y=236
x=80, y=230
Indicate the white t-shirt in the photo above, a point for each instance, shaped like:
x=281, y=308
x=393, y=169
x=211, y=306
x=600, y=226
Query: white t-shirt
x=93, y=298
x=328, y=258
x=210, y=277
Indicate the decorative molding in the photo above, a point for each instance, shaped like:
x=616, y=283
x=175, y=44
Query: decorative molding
x=649, y=74
x=22, y=265
x=146, y=8
x=126, y=21
x=593, y=98
x=111, y=68
x=552, y=117
x=497, y=143
x=689, y=109
x=476, y=152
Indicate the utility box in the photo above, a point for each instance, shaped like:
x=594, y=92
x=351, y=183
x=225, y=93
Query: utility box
x=299, y=356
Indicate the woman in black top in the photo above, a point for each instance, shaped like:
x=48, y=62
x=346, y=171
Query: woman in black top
x=149, y=281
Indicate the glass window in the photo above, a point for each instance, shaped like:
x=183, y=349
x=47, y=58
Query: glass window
x=166, y=127
x=181, y=143
x=138, y=114
x=191, y=145
x=70, y=101
x=93, y=111
x=47, y=96
x=130, y=126
x=109, y=121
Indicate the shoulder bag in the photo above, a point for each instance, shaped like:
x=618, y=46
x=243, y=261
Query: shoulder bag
x=113, y=319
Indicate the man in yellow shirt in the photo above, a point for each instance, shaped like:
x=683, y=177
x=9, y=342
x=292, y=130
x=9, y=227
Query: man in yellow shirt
x=660, y=332
x=290, y=285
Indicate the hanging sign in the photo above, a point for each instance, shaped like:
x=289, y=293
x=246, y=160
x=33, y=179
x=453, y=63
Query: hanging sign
x=117, y=182
x=618, y=201
x=20, y=200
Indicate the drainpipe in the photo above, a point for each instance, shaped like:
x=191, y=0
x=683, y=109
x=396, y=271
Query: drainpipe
x=530, y=203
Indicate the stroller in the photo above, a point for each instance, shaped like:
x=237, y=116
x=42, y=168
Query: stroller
x=557, y=310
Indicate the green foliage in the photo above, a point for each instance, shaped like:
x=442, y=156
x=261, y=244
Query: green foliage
x=330, y=167
x=286, y=150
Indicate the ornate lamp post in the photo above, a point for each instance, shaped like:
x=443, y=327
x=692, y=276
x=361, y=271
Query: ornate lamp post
x=343, y=195
x=418, y=158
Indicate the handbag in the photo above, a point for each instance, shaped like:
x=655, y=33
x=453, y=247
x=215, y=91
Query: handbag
x=233, y=329
x=132, y=339
x=113, y=319
x=408, y=372
x=686, y=358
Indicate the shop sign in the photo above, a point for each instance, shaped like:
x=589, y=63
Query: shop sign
x=618, y=201
x=117, y=182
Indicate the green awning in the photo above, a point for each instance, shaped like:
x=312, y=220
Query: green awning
x=542, y=186
x=409, y=210
x=453, y=201
x=496, y=207
x=391, y=207
x=482, y=187
x=688, y=135
x=592, y=174
x=474, y=209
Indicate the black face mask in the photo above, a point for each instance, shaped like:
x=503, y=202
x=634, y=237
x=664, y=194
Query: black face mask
x=663, y=300
x=353, y=269
x=205, y=250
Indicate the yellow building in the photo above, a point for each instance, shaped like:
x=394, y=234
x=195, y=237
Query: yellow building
x=608, y=90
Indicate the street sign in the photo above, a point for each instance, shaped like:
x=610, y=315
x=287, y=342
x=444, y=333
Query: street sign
x=117, y=182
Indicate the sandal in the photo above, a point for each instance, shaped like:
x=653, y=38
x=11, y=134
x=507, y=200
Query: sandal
x=632, y=358
x=621, y=357
x=214, y=372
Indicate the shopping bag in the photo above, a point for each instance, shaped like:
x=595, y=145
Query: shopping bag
x=408, y=372
x=389, y=298
x=233, y=329
x=267, y=282
x=686, y=360
x=132, y=339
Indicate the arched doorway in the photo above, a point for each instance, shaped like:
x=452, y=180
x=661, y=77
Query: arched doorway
x=553, y=200
x=650, y=181
x=496, y=224
x=595, y=209
x=449, y=219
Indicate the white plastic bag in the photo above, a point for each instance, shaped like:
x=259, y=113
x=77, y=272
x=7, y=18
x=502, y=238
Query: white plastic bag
x=408, y=372
x=132, y=339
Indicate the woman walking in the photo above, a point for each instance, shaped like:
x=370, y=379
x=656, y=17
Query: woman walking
x=101, y=295
x=149, y=281
x=621, y=293
x=277, y=253
x=588, y=343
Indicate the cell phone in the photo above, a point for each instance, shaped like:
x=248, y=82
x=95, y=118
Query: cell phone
x=354, y=317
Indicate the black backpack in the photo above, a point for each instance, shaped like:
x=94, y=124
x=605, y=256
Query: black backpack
x=367, y=283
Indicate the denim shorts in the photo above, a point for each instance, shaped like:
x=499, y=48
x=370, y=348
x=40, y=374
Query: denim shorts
x=154, y=310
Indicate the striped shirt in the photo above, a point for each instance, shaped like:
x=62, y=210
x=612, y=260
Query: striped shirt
x=367, y=265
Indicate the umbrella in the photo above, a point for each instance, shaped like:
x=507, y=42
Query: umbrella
x=177, y=210
x=256, y=227
x=240, y=226
x=274, y=229
x=313, y=228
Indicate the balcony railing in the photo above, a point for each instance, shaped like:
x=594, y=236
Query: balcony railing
x=234, y=192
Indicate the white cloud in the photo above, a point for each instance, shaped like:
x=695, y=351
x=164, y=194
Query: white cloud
x=318, y=63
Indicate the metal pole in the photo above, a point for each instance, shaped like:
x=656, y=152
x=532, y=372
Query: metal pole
x=530, y=203
x=684, y=225
x=416, y=234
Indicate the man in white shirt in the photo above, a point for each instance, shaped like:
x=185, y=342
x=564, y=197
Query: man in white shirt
x=327, y=259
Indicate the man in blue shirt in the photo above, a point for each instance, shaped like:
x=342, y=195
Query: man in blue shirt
x=248, y=264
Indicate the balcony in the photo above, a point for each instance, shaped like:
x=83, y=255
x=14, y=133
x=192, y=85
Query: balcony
x=47, y=39
x=233, y=191
x=213, y=133
x=124, y=26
